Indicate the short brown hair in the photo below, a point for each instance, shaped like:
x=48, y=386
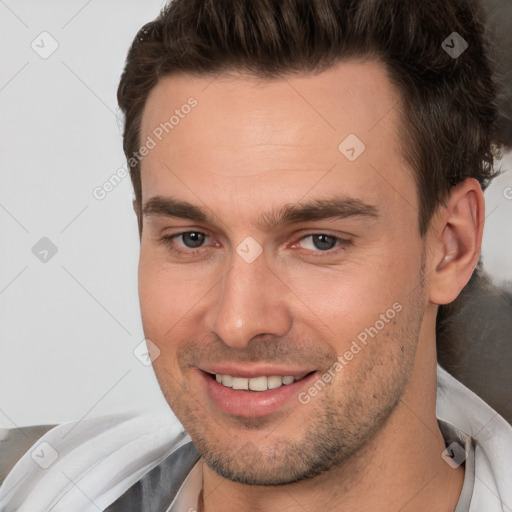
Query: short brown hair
x=448, y=104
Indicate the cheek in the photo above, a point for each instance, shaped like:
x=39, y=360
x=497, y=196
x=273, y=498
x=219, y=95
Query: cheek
x=344, y=300
x=167, y=292
x=173, y=301
x=160, y=309
x=151, y=290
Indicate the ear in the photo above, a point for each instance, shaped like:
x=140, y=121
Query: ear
x=455, y=240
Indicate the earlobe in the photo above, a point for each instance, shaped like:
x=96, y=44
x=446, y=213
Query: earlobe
x=458, y=243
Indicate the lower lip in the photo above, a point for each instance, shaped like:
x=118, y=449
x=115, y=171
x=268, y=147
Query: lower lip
x=253, y=404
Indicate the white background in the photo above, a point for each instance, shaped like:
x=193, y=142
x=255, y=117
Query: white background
x=69, y=326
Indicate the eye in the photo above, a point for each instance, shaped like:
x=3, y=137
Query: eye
x=192, y=239
x=181, y=242
x=321, y=242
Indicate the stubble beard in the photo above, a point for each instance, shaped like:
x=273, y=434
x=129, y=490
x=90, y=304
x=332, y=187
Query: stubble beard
x=345, y=416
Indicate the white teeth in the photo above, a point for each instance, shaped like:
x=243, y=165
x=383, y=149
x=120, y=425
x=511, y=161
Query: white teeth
x=256, y=383
x=240, y=383
x=274, y=382
x=227, y=381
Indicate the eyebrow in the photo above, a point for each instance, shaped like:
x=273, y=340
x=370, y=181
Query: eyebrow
x=339, y=207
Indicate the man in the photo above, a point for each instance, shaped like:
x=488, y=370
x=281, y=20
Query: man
x=308, y=185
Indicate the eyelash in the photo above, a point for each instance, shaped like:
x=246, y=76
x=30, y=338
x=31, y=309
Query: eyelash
x=341, y=244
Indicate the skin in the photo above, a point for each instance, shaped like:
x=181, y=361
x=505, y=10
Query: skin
x=370, y=439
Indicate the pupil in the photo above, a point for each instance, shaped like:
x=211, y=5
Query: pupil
x=193, y=239
x=324, y=242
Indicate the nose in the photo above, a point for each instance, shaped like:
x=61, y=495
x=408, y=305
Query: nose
x=250, y=300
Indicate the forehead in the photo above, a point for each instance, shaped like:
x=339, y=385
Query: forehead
x=285, y=132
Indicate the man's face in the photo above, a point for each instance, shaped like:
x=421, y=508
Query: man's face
x=270, y=282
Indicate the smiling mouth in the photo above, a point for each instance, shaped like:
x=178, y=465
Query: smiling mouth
x=261, y=383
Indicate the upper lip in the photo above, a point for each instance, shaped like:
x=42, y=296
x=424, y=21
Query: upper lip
x=249, y=372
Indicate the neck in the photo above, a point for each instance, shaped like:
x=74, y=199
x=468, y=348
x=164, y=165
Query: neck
x=415, y=481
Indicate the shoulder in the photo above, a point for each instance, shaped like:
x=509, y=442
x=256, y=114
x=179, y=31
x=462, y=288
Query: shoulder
x=461, y=407
x=14, y=442
x=107, y=454
x=490, y=434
